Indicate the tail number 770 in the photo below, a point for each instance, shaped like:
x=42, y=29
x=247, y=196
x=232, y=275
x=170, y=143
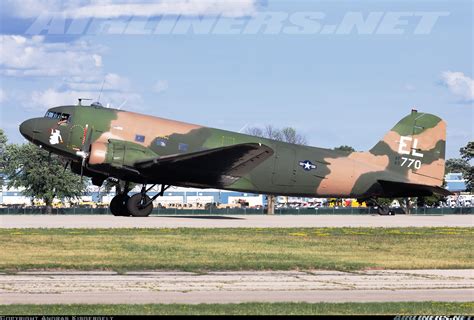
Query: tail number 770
x=403, y=148
x=410, y=163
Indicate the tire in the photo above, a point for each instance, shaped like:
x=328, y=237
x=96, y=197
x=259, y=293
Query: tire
x=135, y=208
x=383, y=211
x=118, y=205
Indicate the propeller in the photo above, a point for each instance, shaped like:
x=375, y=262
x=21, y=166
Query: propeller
x=66, y=165
x=85, y=149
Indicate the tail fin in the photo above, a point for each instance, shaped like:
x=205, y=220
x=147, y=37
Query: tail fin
x=416, y=149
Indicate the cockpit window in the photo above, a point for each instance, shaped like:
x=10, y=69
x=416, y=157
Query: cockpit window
x=62, y=117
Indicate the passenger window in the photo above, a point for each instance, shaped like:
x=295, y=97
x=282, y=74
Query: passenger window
x=183, y=147
x=160, y=142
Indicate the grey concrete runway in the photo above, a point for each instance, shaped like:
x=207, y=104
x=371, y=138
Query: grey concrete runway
x=237, y=221
x=235, y=287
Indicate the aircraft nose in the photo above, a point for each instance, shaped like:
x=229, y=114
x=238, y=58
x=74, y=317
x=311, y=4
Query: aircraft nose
x=27, y=129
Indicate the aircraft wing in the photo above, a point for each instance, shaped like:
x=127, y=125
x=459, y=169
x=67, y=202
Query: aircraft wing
x=213, y=167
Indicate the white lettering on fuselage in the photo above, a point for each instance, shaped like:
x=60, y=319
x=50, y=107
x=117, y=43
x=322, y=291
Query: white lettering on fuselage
x=403, y=146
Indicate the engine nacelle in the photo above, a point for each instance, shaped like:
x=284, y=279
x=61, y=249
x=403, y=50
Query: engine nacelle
x=118, y=153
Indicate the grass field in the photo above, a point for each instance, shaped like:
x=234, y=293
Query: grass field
x=236, y=249
x=390, y=308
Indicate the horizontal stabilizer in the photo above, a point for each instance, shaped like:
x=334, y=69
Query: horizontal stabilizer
x=403, y=189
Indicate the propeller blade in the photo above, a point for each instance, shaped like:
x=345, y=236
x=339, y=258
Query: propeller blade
x=85, y=149
x=83, y=164
x=66, y=165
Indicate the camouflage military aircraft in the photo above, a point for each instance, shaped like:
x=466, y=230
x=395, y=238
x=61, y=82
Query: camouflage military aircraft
x=103, y=142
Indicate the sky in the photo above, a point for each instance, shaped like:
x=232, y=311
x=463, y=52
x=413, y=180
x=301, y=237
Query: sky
x=340, y=72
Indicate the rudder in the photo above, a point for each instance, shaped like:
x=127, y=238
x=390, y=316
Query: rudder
x=416, y=149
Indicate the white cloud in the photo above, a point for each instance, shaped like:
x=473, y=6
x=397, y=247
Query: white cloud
x=29, y=8
x=109, y=9
x=53, y=97
x=33, y=57
x=110, y=81
x=160, y=86
x=459, y=84
x=75, y=70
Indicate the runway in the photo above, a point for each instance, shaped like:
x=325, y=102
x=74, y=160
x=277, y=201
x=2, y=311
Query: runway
x=234, y=221
x=236, y=287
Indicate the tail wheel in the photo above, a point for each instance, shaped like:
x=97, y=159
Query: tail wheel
x=118, y=205
x=136, y=206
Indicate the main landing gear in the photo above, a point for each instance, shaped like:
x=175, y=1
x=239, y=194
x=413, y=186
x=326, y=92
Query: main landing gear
x=382, y=210
x=138, y=205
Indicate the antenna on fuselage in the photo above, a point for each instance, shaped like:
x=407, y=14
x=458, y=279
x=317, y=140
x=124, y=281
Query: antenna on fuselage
x=243, y=128
x=81, y=99
x=101, y=88
x=122, y=104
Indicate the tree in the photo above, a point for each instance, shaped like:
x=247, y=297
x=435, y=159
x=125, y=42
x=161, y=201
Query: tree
x=345, y=148
x=287, y=134
x=467, y=154
x=3, y=145
x=291, y=136
x=41, y=174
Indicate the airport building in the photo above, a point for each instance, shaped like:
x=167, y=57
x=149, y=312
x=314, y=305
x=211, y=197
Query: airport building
x=178, y=197
x=455, y=182
x=174, y=196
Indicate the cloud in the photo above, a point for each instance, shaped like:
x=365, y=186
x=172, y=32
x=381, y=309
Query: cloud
x=50, y=97
x=459, y=84
x=108, y=82
x=74, y=70
x=107, y=9
x=160, y=86
x=33, y=57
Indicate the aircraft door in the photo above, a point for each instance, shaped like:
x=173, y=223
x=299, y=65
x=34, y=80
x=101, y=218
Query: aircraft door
x=284, y=173
x=76, y=134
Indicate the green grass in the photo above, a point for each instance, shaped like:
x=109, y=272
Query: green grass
x=236, y=249
x=390, y=308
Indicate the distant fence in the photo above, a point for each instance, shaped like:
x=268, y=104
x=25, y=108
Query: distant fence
x=238, y=211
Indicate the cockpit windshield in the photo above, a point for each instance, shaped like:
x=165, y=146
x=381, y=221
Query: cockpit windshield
x=61, y=117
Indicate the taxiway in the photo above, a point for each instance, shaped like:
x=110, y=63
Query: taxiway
x=234, y=221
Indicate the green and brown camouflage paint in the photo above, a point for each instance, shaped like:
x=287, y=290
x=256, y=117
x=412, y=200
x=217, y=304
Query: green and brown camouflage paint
x=412, y=152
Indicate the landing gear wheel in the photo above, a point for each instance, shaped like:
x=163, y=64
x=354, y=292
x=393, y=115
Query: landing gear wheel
x=118, y=205
x=136, y=208
x=385, y=211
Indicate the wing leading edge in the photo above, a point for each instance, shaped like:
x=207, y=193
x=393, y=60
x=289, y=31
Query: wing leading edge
x=213, y=167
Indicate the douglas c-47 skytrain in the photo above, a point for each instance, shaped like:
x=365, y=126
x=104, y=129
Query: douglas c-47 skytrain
x=103, y=143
